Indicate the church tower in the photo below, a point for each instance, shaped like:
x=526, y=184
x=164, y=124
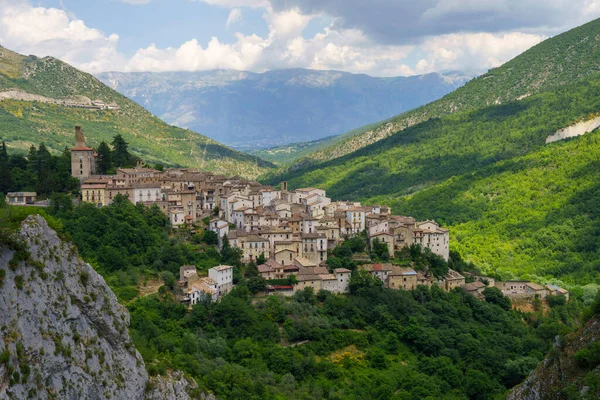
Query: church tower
x=83, y=160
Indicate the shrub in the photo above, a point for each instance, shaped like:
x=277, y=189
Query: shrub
x=19, y=281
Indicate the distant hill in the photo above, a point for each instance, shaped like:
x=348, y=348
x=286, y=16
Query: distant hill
x=554, y=62
x=249, y=111
x=514, y=204
x=42, y=99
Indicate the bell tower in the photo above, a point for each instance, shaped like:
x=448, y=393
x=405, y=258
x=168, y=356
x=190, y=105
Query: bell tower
x=83, y=160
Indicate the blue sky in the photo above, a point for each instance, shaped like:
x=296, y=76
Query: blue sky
x=167, y=23
x=377, y=37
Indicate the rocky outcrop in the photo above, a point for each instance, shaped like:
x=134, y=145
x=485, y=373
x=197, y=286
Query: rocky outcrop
x=63, y=334
x=559, y=376
x=174, y=386
x=574, y=130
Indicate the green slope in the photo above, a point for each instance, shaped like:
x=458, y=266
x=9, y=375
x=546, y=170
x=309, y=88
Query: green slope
x=488, y=174
x=283, y=155
x=23, y=123
x=554, y=62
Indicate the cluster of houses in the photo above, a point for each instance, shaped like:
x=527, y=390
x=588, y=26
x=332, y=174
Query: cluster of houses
x=395, y=277
x=290, y=226
x=291, y=229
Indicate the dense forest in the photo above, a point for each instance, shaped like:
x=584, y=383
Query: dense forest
x=372, y=343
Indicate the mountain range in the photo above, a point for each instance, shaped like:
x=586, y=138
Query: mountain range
x=43, y=99
x=248, y=110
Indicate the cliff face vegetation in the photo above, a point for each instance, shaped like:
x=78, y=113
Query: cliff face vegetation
x=570, y=371
x=63, y=334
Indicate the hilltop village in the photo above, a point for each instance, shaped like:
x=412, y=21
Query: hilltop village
x=287, y=232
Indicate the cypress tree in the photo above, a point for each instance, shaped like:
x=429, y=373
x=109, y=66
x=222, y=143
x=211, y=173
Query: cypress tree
x=120, y=153
x=5, y=174
x=104, y=158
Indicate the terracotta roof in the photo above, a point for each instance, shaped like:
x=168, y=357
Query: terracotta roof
x=82, y=148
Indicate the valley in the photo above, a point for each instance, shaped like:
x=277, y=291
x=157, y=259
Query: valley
x=448, y=251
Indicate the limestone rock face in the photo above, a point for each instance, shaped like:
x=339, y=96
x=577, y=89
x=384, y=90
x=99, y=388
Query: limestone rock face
x=63, y=334
x=173, y=386
x=559, y=376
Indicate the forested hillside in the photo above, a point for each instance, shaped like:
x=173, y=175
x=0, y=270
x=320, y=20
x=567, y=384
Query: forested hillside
x=372, y=343
x=558, y=61
x=41, y=101
x=489, y=175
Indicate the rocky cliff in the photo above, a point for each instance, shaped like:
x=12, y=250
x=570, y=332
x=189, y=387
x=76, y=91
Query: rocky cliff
x=63, y=334
x=564, y=374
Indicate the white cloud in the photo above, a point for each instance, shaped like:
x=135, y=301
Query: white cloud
x=235, y=15
x=50, y=31
x=472, y=50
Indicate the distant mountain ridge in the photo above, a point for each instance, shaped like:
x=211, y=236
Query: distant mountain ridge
x=557, y=61
x=42, y=99
x=249, y=110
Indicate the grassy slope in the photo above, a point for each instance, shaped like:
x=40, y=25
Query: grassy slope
x=554, y=62
x=24, y=122
x=489, y=175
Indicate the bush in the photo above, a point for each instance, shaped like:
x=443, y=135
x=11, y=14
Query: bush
x=555, y=301
x=19, y=281
x=589, y=357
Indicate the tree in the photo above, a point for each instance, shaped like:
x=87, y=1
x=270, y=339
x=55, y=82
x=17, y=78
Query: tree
x=379, y=250
x=60, y=203
x=261, y=259
x=120, y=155
x=494, y=295
x=104, y=158
x=5, y=173
x=229, y=255
x=362, y=281
x=210, y=237
x=256, y=284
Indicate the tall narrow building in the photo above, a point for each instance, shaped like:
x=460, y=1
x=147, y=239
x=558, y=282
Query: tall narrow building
x=83, y=160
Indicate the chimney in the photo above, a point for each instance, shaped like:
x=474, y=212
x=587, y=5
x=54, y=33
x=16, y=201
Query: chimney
x=284, y=186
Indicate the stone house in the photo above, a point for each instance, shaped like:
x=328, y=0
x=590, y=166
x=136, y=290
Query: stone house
x=401, y=278
x=94, y=193
x=314, y=247
x=343, y=278
x=253, y=246
x=435, y=238
x=452, y=280
x=223, y=276
x=21, y=198
x=147, y=192
x=522, y=289
x=475, y=288
x=554, y=290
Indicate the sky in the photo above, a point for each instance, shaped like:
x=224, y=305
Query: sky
x=375, y=37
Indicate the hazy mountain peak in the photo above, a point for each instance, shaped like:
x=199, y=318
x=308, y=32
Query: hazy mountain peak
x=250, y=110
